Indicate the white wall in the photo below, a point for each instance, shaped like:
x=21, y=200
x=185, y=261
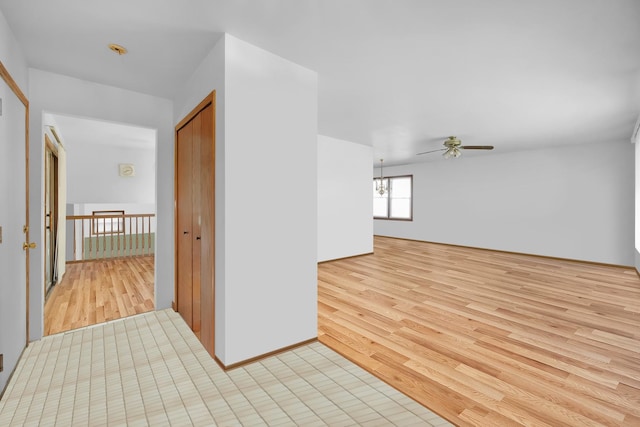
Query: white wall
x=345, y=210
x=13, y=292
x=271, y=202
x=93, y=175
x=59, y=94
x=266, y=139
x=568, y=202
x=12, y=57
x=207, y=77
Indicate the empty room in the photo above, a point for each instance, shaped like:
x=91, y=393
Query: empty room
x=320, y=212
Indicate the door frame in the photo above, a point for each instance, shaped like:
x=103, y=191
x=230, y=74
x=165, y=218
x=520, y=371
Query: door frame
x=53, y=219
x=209, y=100
x=4, y=73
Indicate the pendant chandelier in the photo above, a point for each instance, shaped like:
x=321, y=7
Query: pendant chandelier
x=381, y=188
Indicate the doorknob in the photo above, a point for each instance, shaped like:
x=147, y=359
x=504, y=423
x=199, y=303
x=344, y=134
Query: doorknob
x=26, y=246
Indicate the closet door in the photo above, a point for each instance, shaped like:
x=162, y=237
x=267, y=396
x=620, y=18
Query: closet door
x=184, y=222
x=205, y=237
x=196, y=218
x=195, y=243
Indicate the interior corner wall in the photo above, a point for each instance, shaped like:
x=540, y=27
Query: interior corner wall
x=345, y=211
x=12, y=57
x=210, y=76
x=207, y=77
x=55, y=93
x=571, y=202
x=13, y=296
x=266, y=197
x=271, y=110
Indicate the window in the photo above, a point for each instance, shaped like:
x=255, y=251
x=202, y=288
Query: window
x=395, y=203
x=111, y=224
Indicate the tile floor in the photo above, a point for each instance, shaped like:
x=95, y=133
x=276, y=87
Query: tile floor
x=151, y=370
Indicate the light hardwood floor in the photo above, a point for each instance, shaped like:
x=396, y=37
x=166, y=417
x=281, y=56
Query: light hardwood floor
x=489, y=338
x=96, y=291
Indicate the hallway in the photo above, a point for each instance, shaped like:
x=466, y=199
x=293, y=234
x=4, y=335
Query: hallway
x=98, y=291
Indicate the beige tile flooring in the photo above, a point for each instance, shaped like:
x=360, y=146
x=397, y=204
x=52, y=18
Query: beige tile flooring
x=151, y=370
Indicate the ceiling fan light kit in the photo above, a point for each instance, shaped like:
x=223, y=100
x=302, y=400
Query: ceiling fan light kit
x=451, y=152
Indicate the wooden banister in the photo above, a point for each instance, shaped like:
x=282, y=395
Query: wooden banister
x=111, y=235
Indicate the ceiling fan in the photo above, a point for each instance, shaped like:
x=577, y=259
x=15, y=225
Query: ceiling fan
x=453, y=146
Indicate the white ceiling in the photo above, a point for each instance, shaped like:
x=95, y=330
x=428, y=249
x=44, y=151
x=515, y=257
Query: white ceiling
x=399, y=75
x=75, y=131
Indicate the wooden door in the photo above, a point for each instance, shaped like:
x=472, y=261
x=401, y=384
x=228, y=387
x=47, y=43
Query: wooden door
x=184, y=221
x=206, y=245
x=195, y=242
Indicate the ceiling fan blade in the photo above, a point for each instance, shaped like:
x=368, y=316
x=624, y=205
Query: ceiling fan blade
x=432, y=151
x=477, y=147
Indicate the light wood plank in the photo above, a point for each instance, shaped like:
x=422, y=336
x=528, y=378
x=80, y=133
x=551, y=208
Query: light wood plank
x=489, y=338
x=97, y=291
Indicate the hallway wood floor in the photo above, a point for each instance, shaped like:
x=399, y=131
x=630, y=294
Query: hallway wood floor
x=97, y=291
x=489, y=338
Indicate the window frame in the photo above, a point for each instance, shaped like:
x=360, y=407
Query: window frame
x=107, y=225
x=389, y=198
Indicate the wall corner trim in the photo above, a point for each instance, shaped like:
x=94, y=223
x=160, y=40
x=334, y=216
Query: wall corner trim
x=345, y=257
